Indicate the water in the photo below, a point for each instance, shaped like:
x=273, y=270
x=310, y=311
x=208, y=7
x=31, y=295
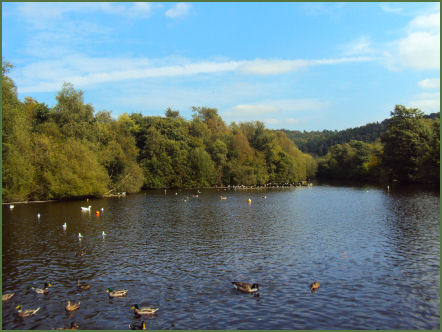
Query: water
x=375, y=254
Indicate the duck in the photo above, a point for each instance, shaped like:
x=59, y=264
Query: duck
x=245, y=287
x=223, y=197
x=314, y=286
x=143, y=310
x=116, y=293
x=74, y=326
x=44, y=290
x=27, y=312
x=86, y=209
x=7, y=296
x=83, y=285
x=72, y=307
x=135, y=326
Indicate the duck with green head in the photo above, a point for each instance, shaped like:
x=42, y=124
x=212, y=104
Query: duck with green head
x=140, y=311
x=27, y=312
x=135, y=326
x=116, y=293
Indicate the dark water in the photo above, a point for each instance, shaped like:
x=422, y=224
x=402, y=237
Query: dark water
x=375, y=254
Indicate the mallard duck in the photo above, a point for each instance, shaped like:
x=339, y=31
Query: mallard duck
x=116, y=293
x=83, y=285
x=45, y=290
x=7, y=296
x=314, y=286
x=72, y=307
x=74, y=326
x=27, y=312
x=135, y=326
x=245, y=287
x=143, y=310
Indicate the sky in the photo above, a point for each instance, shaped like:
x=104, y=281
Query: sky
x=299, y=66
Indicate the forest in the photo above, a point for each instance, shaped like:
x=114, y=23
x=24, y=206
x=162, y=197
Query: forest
x=70, y=150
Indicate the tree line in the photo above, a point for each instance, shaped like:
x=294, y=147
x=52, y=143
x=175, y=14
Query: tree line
x=70, y=150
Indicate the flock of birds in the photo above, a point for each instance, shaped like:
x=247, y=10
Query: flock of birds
x=244, y=287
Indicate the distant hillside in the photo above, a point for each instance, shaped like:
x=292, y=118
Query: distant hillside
x=319, y=142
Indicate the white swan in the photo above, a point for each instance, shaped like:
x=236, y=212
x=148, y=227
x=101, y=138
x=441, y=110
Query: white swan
x=86, y=209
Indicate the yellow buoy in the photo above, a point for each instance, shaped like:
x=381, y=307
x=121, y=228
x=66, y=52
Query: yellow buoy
x=250, y=201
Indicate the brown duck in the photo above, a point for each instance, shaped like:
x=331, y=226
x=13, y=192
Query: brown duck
x=245, y=287
x=72, y=307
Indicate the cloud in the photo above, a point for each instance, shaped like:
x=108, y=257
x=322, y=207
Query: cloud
x=46, y=76
x=360, y=46
x=277, y=67
x=179, y=10
x=427, y=102
x=275, y=107
x=393, y=10
x=430, y=83
x=420, y=49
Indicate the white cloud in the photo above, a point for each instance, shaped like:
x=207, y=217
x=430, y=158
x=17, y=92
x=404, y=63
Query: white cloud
x=420, y=49
x=427, y=102
x=179, y=10
x=46, y=76
x=277, y=67
x=389, y=9
x=362, y=45
x=430, y=83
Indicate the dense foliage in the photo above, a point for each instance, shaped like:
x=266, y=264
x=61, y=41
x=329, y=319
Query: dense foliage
x=408, y=151
x=69, y=150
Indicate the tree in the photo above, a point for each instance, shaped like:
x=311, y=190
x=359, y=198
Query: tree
x=406, y=143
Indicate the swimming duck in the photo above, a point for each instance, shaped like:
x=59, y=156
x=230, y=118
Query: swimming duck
x=86, y=209
x=143, y=310
x=245, y=287
x=45, y=290
x=135, y=326
x=314, y=286
x=74, y=326
x=7, y=296
x=83, y=285
x=72, y=307
x=27, y=312
x=116, y=293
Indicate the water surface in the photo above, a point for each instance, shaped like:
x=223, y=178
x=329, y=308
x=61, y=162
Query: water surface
x=375, y=254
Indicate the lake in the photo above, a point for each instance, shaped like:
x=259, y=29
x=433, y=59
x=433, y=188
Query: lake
x=376, y=255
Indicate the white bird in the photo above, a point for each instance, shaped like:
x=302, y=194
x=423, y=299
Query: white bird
x=86, y=209
x=38, y=215
x=103, y=234
x=65, y=226
x=11, y=206
x=80, y=236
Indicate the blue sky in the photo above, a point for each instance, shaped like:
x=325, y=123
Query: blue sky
x=301, y=66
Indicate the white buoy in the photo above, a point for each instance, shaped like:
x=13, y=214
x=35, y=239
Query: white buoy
x=102, y=209
x=65, y=226
x=11, y=206
x=80, y=236
x=103, y=234
x=38, y=215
